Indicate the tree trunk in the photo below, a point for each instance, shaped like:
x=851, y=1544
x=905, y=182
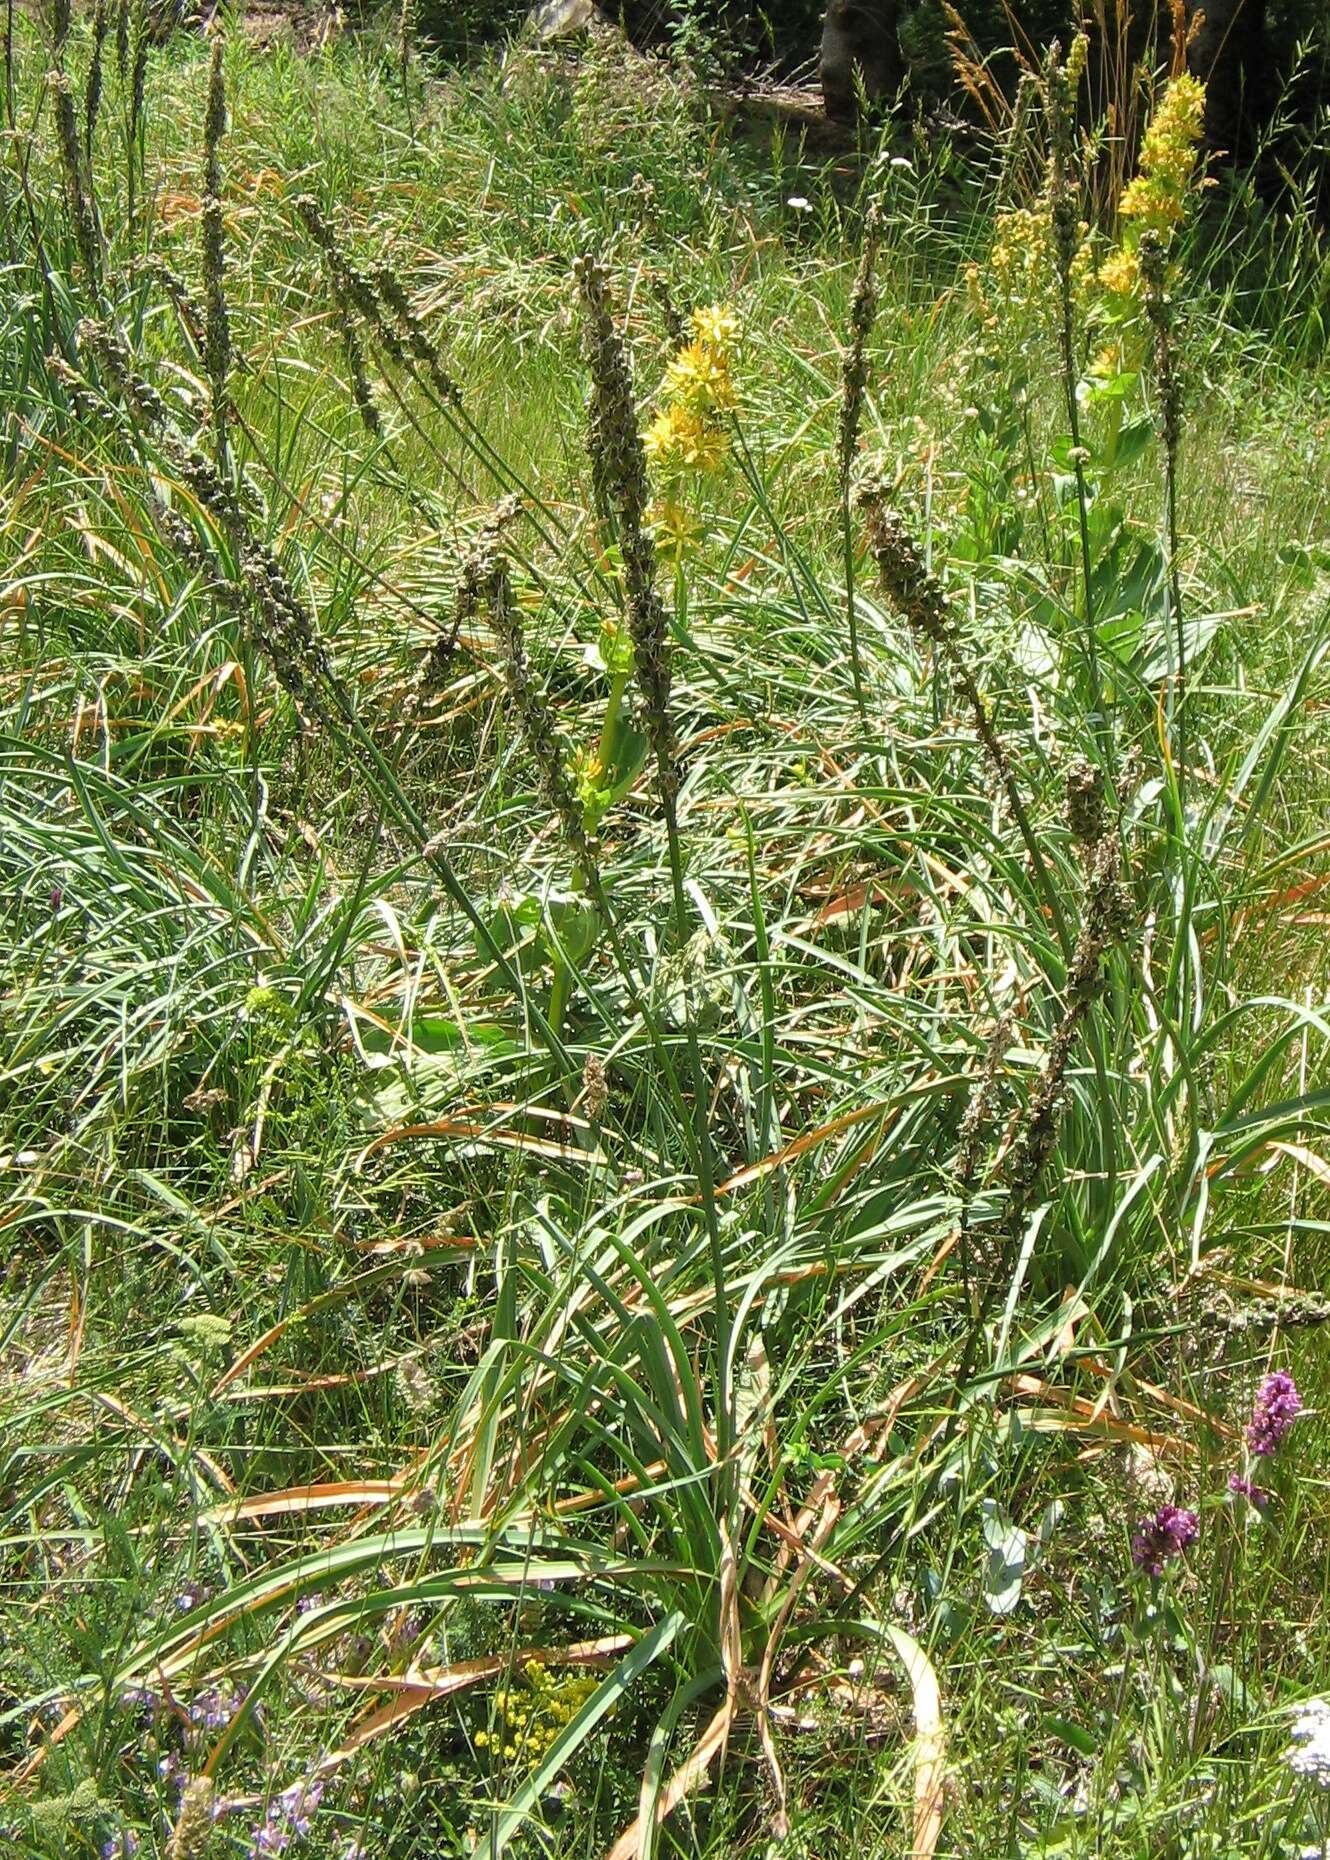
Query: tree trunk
x=1229, y=54
x=860, y=36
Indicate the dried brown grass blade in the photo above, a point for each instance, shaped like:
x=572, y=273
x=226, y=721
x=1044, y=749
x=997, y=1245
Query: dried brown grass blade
x=688, y=1777
x=930, y=1745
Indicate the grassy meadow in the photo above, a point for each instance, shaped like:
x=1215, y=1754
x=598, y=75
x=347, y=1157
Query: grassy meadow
x=663, y=868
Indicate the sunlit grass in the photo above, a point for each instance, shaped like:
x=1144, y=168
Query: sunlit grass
x=390, y=1265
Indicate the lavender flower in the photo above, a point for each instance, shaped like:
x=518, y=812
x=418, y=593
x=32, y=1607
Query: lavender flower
x=214, y=1708
x=122, y=1846
x=288, y=1817
x=1244, y=1488
x=1159, y=1539
x=1276, y=1408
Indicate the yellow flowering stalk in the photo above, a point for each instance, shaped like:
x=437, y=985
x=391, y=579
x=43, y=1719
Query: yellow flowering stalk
x=680, y=439
x=1159, y=196
x=687, y=435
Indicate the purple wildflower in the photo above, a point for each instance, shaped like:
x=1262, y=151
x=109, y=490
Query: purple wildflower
x=288, y=1817
x=122, y=1846
x=214, y=1708
x=1276, y=1408
x=1159, y=1539
x=1245, y=1488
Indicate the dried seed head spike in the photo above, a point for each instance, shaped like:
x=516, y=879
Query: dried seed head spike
x=397, y=305
x=863, y=314
x=532, y=707
x=194, y=1824
x=86, y=236
x=217, y=326
x=285, y=630
x=92, y=90
x=619, y=466
x=1086, y=814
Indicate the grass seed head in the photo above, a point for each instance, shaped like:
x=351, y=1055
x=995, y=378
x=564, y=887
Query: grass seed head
x=194, y=1823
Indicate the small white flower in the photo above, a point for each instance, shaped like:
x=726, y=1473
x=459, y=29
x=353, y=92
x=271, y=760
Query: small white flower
x=1309, y=1753
x=900, y=161
x=799, y=203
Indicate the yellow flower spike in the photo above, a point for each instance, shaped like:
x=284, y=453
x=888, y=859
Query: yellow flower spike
x=699, y=376
x=716, y=325
x=1120, y=273
x=679, y=439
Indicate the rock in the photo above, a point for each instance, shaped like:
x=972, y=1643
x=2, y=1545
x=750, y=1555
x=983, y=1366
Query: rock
x=554, y=19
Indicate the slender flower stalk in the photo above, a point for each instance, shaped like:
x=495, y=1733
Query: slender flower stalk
x=1107, y=915
x=1159, y=311
x=619, y=462
x=217, y=328
x=491, y=577
x=854, y=381
x=920, y=597
x=287, y=632
x=1064, y=207
x=1016, y=148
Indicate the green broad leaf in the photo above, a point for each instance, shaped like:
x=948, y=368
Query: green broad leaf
x=1004, y=1571
x=516, y=1813
x=1074, y=1736
x=1161, y=651
x=1105, y=390
x=571, y=926
x=1061, y=452
x=625, y=758
x=1133, y=441
x=437, y=1035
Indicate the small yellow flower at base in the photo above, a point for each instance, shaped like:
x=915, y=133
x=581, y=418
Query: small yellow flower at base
x=673, y=528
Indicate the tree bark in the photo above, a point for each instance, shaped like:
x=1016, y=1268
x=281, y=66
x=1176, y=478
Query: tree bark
x=860, y=36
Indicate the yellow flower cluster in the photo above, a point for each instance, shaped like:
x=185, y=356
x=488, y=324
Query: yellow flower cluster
x=687, y=434
x=1020, y=276
x=1158, y=196
x=531, y=1713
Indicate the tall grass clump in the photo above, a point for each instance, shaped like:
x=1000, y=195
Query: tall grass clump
x=663, y=1098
